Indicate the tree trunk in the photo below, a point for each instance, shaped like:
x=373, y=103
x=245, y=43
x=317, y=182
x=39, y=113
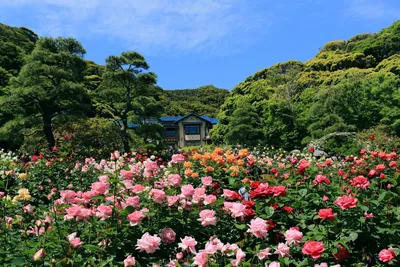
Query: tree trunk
x=124, y=135
x=48, y=131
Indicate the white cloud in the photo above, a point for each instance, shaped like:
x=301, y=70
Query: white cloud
x=152, y=25
x=372, y=9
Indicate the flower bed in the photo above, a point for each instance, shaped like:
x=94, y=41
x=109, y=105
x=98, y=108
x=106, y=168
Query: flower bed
x=219, y=208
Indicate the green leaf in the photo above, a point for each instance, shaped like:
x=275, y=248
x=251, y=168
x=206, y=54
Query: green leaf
x=303, y=192
x=382, y=196
x=353, y=236
x=240, y=226
x=269, y=211
x=130, y=209
x=91, y=247
x=232, y=181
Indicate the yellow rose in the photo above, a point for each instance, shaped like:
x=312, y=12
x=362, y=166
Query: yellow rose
x=24, y=193
x=15, y=199
x=22, y=176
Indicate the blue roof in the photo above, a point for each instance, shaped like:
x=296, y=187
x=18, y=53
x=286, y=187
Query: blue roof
x=211, y=120
x=173, y=119
x=170, y=118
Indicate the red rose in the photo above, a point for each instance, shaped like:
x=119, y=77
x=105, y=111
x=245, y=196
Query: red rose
x=342, y=253
x=326, y=214
x=346, y=202
x=311, y=149
x=279, y=190
x=254, y=185
x=271, y=225
x=248, y=204
x=313, y=248
x=386, y=255
x=288, y=209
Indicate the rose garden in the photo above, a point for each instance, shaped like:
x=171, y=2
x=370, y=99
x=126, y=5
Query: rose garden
x=226, y=207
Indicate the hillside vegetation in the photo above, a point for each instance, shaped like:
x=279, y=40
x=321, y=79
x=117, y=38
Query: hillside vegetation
x=205, y=100
x=349, y=86
x=49, y=93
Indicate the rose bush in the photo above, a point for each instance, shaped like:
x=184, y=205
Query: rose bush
x=200, y=209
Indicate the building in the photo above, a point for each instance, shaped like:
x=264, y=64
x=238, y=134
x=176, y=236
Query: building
x=189, y=130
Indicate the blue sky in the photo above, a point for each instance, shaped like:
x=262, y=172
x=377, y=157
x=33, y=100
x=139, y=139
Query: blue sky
x=189, y=43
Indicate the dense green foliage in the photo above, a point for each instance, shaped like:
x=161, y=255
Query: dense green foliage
x=349, y=86
x=205, y=100
x=50, y=95
x=15, y=44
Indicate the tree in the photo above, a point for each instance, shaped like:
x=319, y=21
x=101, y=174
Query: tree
x=50, y=84
x=245, y=127
x=125, y=80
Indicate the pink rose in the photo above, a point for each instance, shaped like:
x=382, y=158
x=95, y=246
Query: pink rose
x=136, y=217
x=103, y=178
x=89, y=194
x=76, y=243
x=77, y=212
x=201, y=259
x=282, y=250
x=228, y=249
x=172, y=200
x=157, y=195
x=240, y=255
x=67, y=196
x=210, y=199
x=148, y=243
x=210, y=248
x=131, y=201
x=104, y=212
x=200, y=192
x=368, y=215
x=188, y=244
x=313, y=248
x=129, y=261
x=115, y=155
x=273, y=264
x=28, y=208
x=237, y=210
x=346, y=202
x=39, y=255
x=207, y=217
x=258, y=227
x=126, y=174
x=168, y=235
x=100, y=187
x=293, y=236
x=229, y=194
x=263, y=254
x=386, y=255
x=187, y=190
x=137, y=188
x=178, y=158
x=207, y=180
x=174, y=180
x=228, y=206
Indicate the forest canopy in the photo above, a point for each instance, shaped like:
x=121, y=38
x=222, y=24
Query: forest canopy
x=349, y=86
